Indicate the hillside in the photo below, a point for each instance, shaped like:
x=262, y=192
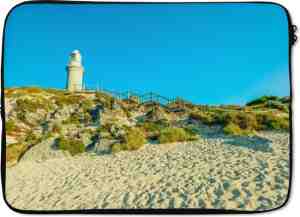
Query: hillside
x=98, y=122
x=92, y=150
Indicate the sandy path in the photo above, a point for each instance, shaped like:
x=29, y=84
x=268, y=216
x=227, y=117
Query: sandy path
x=205, y=174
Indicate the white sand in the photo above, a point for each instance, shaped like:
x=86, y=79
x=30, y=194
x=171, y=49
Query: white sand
x=205, y=174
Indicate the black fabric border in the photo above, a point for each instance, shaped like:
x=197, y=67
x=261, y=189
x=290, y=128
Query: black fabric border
x=145, y=211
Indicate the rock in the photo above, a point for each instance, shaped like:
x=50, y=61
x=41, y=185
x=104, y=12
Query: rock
x=104, y=146
x=156, y=114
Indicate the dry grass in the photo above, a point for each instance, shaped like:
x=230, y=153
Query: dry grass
x=14, y=152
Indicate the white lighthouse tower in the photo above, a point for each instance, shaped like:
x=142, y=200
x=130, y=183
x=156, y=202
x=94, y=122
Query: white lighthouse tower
x=75, y=72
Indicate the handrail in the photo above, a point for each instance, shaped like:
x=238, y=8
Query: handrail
x=149, y=97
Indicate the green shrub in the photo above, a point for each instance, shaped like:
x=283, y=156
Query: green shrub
x=87, y=117
x=86, y=105
x=127, y=112
x=24, y=105
x=174, y=134
x=21, y=116
x=235, y=130
x=64, y=100
x=151, y=129
x=117, y=147
x=104, y=132
x=278, y=105
x=47, y=135
x=133, y=140
x=271, y=121
x=32, y=105
x=192, y=132
x=262, y=100
x=232, y=129
x=10, y=126
x=74, y=118
x=285, y=100
x=73, y=146
x=103, y=128
x=31, y=138
x=242, y=119
x=104, y=99
x=208, y=117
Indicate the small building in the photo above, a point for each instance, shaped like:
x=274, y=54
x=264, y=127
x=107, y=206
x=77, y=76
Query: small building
x=75, y=72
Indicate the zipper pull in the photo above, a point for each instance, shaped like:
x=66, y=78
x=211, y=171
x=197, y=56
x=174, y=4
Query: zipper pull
x=294, y=37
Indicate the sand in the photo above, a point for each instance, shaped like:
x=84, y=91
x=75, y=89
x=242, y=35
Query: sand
x=213, y=172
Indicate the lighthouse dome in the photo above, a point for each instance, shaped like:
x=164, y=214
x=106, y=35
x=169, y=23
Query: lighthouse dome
x=75, y=58
x=75, y=52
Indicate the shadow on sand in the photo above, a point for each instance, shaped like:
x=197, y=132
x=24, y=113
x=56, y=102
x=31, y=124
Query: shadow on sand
x=255, y=143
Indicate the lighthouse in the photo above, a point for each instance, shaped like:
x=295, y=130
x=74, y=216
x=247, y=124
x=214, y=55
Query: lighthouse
x=75, y=72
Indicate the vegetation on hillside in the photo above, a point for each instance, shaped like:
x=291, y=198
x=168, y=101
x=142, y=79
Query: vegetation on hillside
x=76, y=120
x=175, y=134
x=134, y=139
x=73, y=146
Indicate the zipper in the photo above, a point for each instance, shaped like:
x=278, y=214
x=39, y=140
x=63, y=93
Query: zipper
x=293, y=37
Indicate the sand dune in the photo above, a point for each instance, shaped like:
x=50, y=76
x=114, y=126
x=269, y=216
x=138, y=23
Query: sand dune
x=209, y=173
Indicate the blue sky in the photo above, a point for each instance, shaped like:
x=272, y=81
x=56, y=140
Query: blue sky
x=206, y=53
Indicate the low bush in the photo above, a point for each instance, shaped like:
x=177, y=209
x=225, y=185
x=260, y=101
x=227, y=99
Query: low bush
x=86, y=105
x=21, y=116
x=232, y=129
x=133, y=140
x=87, y=117
x=278, y=105
x=74, y=118
x=15, y=151
x=64, y=100
x=246, y=121
x=285, y=100
x=104, y=132
x=174, y=134
x=32, y=105
x=10, y=126
x=104, y=99
x=235, y=130
x=47, y=135
x=151, y=129
x=26, y=105
x=117, y=147
x=271, y=121
x=262, y=100
x=73, y=146
x=242, y=119
x=127, y=112
x=31, y=138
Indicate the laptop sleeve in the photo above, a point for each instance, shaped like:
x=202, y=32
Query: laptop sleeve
x=146, y=107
